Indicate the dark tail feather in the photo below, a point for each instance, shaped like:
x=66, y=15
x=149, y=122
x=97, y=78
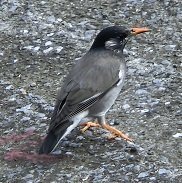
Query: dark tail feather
x=53, y=137
x=49, y=143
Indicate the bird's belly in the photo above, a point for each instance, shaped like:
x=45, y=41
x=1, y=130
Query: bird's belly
x=101, y=107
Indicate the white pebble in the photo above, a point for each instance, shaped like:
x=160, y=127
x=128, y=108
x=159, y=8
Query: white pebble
x=58, y=49
x=177, y=135
x=36, y=48
x=48, y=50
x=48, y=43
x=9, y=87
x=126, y=106
x=144, y=111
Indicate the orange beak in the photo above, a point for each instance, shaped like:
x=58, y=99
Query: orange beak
x=135, y=31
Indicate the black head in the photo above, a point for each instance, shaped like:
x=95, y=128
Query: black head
x=116, y=35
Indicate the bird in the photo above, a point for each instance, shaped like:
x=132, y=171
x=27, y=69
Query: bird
x=91, y=87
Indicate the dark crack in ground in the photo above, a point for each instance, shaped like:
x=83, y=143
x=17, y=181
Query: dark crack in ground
x=39, y=41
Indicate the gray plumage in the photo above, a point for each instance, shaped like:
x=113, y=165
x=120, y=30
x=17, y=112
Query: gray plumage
x=91, y=87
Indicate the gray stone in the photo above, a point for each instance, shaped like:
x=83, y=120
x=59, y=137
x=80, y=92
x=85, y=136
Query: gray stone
x=126, y=106
x=143, y=175
x=163, y=171
x=141, y=92
x=48, y=43
x=24, y=119
x=48, y=50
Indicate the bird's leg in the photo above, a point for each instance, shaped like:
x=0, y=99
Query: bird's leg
x=115, y=133
x=89, y=124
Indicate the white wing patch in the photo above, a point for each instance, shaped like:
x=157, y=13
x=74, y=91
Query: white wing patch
x=91, y=97
x=76, y=121
x=121, y=76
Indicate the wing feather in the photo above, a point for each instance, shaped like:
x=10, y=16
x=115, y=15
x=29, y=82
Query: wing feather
x=88, y=81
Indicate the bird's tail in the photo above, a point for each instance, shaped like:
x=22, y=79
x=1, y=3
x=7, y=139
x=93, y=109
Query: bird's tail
x=53, y=138
x=49, y=143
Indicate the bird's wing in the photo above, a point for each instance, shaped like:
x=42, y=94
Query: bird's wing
x=86, y=84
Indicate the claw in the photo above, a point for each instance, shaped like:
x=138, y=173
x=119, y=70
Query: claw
x=114, y=132
x=89, y=125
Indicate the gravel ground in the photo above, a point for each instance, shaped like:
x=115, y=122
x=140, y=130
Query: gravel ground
x=39, y=41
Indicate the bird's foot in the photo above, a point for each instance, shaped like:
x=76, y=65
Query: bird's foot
x=116, y=133
x=87, y=125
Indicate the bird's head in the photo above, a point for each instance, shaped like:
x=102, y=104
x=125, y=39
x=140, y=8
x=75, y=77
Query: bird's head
x=114, y=37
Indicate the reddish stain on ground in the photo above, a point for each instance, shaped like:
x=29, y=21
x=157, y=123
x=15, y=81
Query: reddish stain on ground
x=15, y=137
x=25, y=143
x=14, y=155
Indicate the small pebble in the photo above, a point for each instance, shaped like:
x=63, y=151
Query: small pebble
x=143, y=175
x=12, y=98
x=40, y=115
x=57, y=152
x=24, y=119
x=23, y=91
x=48, y=50
x=144, y=111
x=50, y=34
x=58, y=49
x=141, y=92
x=33, y=84
x=48, y=43
x=28, y=176
x=69, y=153
x=9, y=87
x=35, y=49
x=32, y=128
x=163, y=171
x=126, y=106
x=177, y=135
x=79, y=138
x=25, y=109
x=167, y=103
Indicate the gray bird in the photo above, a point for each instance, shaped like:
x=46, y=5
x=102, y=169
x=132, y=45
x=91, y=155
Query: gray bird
x=91, y=87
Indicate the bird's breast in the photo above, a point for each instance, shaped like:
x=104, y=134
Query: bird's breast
x=104, y=104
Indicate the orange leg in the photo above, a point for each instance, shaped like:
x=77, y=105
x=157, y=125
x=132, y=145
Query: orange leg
x=88, y=125
x=116, y=133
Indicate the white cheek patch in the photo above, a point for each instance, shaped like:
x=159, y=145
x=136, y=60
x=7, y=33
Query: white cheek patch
x=111, y=43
